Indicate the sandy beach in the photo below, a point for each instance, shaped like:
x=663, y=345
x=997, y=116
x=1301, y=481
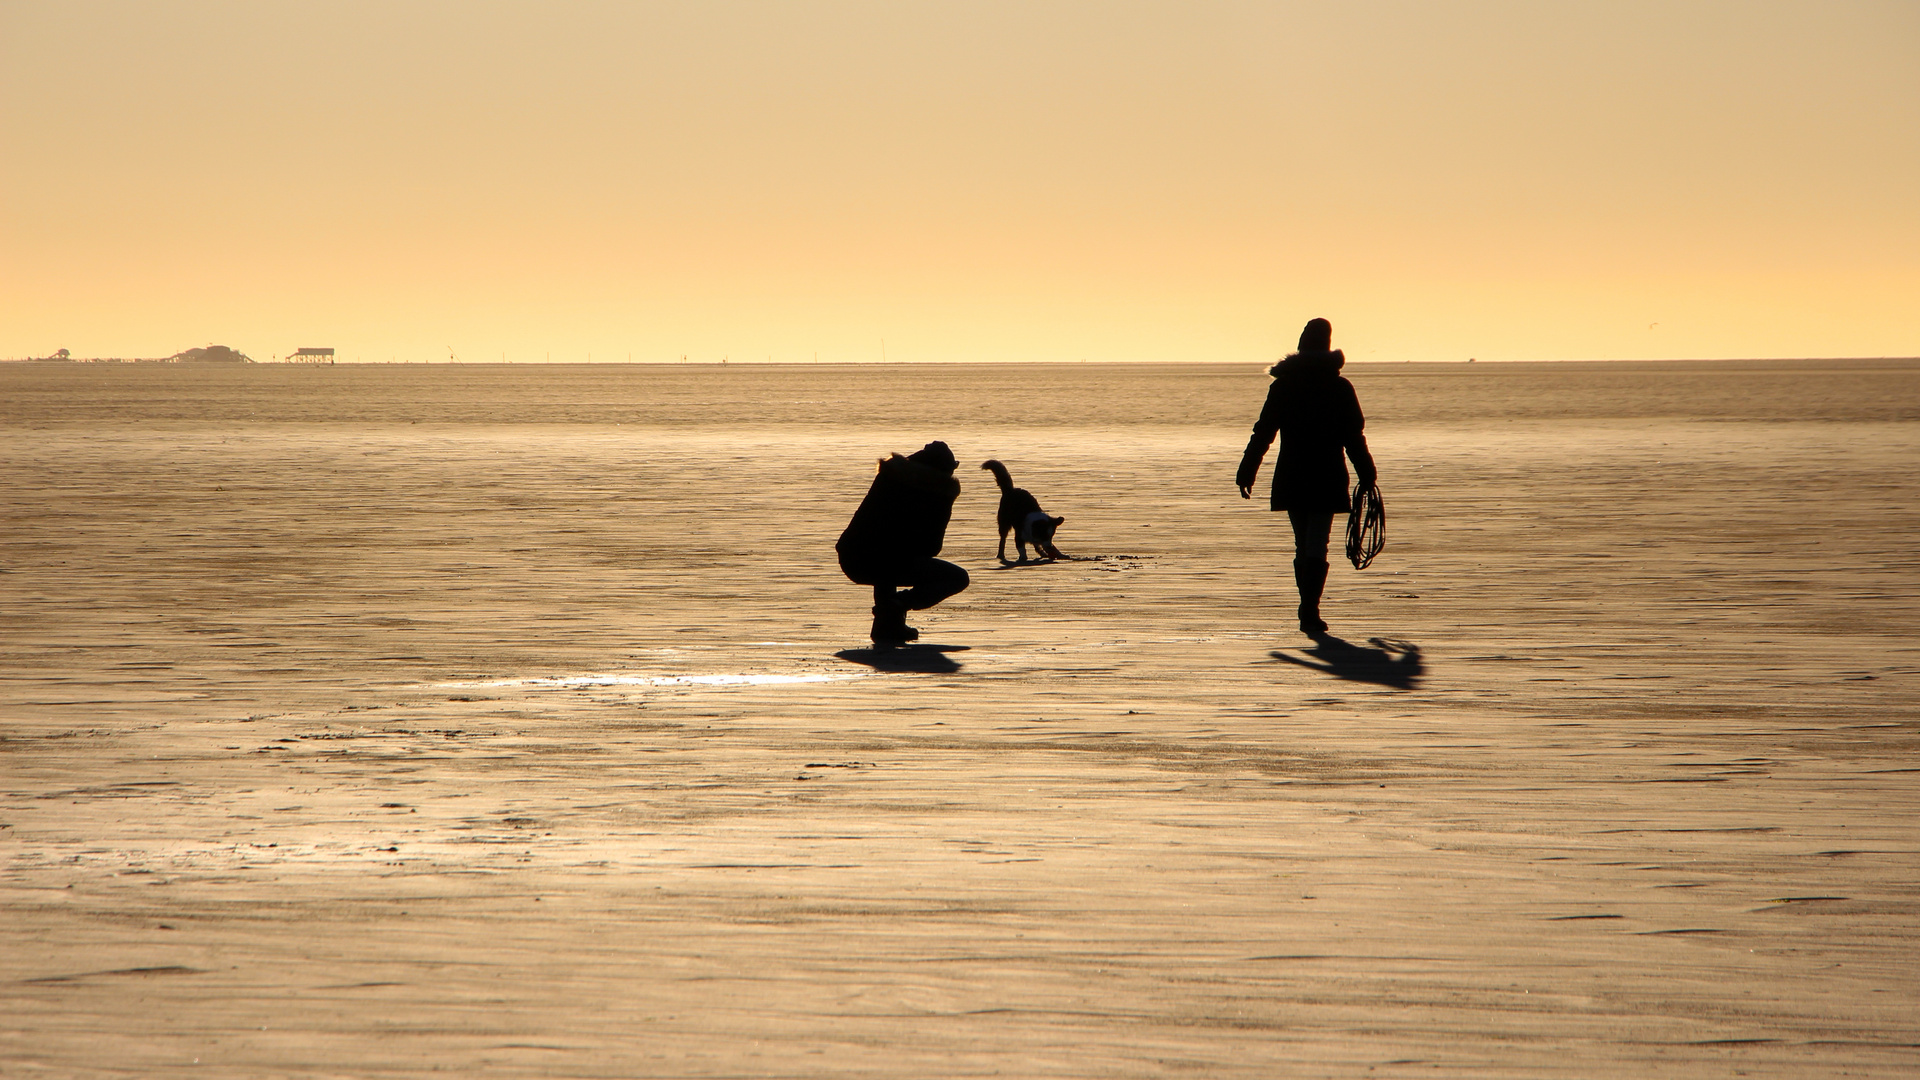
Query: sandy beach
x=515, y=721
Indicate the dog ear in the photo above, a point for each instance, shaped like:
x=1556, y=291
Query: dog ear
x=1058, y=520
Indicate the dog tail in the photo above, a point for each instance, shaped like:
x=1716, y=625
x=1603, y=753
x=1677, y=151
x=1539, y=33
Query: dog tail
x=999, y=473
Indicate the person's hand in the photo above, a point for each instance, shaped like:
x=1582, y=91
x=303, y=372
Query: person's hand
x=1246, y=491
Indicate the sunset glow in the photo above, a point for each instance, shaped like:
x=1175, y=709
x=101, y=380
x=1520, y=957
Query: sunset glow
x=1031, y=181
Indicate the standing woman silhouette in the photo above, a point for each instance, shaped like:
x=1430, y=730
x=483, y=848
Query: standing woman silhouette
x=1317, y=416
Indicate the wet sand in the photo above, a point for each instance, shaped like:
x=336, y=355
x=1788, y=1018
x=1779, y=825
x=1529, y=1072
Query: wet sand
x=506, y=721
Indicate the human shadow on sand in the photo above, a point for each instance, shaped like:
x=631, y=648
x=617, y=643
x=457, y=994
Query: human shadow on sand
x=1389, y=662
x=922, y=658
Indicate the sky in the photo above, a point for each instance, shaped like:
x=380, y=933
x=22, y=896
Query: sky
x=1025, y=181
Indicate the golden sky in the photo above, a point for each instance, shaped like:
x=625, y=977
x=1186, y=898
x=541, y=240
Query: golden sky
x=961, y=181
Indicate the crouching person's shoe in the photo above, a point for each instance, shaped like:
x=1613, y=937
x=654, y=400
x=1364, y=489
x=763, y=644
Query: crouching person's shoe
x=890, y=625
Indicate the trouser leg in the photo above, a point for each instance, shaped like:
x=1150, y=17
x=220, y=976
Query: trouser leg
x=932, y=581
x=889, y=615
x=926, y=581
x=1311, y=579
x=1310, y=534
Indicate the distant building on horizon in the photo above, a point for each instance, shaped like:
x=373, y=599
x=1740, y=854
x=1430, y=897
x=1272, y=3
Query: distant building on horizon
x=210, y=354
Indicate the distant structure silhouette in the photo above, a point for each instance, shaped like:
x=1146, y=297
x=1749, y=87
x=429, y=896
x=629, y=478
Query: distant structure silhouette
x=210, y=354
x=892, y=540
x=310, y=354
x=1316, y=414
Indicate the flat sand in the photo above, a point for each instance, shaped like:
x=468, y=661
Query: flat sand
x=513, y=721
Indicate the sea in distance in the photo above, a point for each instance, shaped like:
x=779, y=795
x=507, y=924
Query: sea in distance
x=612, y=504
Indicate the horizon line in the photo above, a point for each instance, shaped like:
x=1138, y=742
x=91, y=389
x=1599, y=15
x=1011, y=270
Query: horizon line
x=169, y=362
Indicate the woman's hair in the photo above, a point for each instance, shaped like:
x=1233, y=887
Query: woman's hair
x=1317, y=337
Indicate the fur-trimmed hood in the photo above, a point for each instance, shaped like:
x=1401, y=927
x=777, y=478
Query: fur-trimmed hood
x=919, y=475
x=1309, y=364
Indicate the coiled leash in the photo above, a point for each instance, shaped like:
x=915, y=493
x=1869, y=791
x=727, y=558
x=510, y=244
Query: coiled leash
x=1366, y=526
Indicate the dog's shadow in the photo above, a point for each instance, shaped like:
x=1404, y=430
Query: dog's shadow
x=929, y=659
x=1015, y=564
x=1389, y=662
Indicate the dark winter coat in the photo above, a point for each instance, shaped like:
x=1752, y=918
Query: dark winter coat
x=1317, y=416
x=904, y=515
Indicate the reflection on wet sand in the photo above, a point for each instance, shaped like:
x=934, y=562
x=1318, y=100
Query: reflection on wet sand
x=589, y=682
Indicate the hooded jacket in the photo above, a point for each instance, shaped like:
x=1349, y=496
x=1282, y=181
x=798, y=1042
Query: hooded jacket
x=1316, y=414
x=904, y=515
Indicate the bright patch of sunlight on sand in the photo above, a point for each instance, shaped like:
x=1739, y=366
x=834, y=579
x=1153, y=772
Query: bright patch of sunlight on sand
x=589, y=682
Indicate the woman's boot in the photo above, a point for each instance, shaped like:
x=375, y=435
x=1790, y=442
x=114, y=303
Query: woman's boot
x=1311, y=579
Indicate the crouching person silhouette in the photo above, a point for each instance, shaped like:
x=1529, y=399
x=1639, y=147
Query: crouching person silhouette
x=891, y=542
x=1317, y=416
